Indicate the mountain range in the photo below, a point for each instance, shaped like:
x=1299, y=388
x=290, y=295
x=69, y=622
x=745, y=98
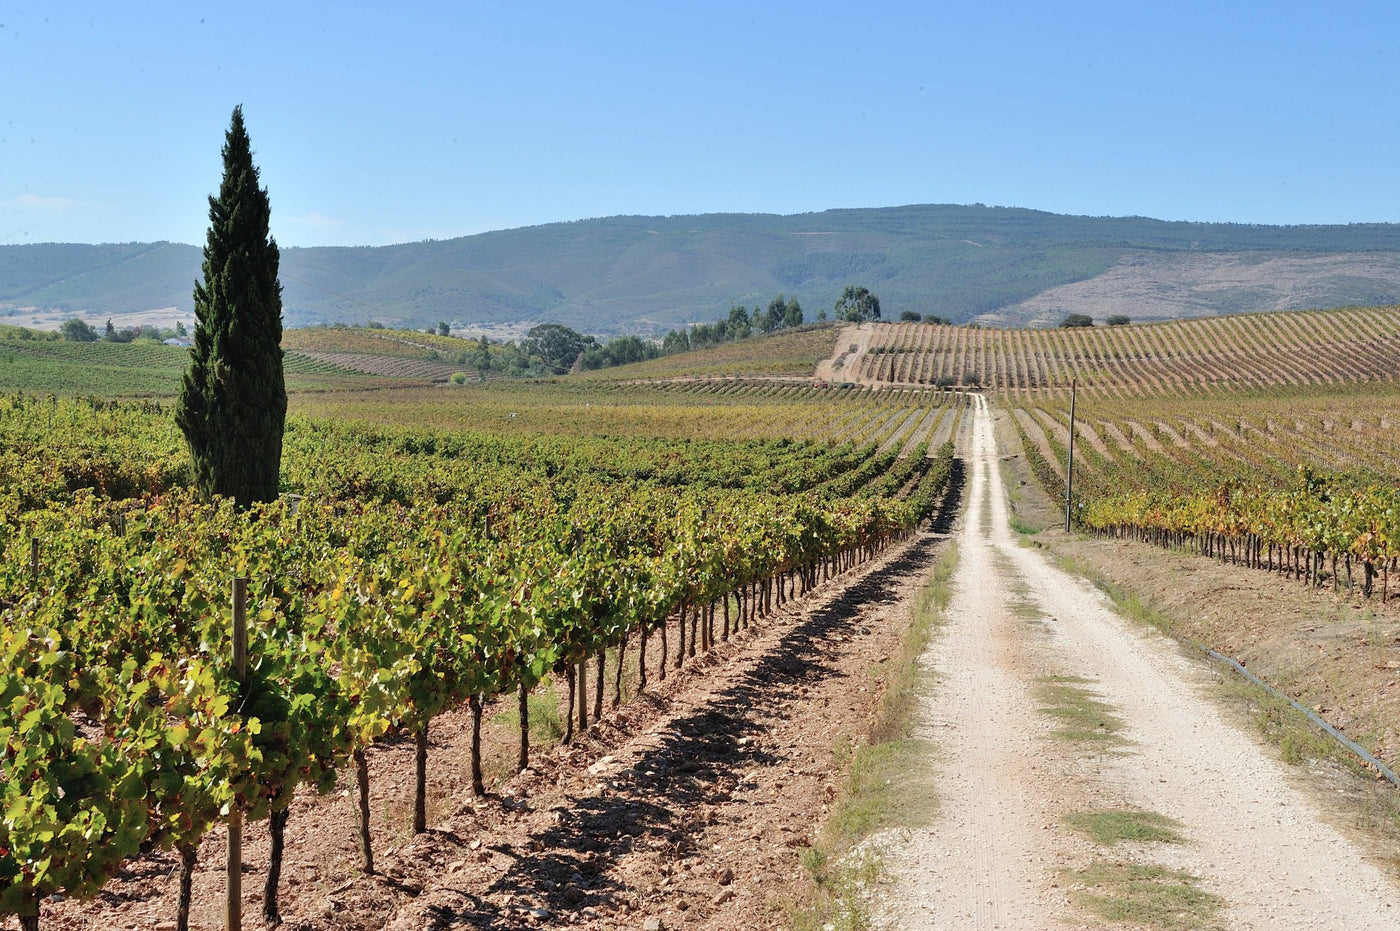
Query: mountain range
x=994, y=265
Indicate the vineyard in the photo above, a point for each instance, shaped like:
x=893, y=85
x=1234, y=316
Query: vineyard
x=699, y=409
x=1304, y=483
x=1267, y=440
x=151, y=369
x=1202, y=356
x=572, y=537
x=413, y=571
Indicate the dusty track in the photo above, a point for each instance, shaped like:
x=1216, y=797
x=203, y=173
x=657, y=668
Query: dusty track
x=996, y=855
x=845, y=359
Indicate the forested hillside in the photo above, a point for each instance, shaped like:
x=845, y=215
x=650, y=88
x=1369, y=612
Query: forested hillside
x=648, y=274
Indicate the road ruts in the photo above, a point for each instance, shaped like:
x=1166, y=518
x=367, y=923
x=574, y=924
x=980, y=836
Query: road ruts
x=997, y=852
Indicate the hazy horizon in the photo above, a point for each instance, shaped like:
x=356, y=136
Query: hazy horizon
x=718, y=213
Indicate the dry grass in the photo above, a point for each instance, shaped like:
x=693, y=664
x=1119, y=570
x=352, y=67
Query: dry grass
x=1083, y=715
x=1145, y=895
x=880, y=792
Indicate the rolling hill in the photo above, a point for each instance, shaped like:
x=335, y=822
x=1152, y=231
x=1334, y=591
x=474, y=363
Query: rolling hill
x=647, y=274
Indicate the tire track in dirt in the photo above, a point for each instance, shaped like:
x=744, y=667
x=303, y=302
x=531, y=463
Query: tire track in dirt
x=996, y=855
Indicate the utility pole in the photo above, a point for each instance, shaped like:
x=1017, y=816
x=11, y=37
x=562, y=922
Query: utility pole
x=1069, y=477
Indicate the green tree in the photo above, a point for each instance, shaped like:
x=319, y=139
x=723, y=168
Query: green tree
x=738, y=325
x=772, y=319
x=910, y=316
x=1077, y=320
x=483, y=357
x=705, y=335
x=676, y=341
x=557, y=345
x=77, y=331
x=792, y=314
x=624, y=350
x=233, y=401
x=857, y=305
x=1118, y=320
x=444, y=328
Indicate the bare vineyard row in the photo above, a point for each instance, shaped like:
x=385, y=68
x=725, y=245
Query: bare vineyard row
x=1264, y=437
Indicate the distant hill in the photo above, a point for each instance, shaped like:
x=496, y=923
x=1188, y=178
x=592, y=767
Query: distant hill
x=648, y=274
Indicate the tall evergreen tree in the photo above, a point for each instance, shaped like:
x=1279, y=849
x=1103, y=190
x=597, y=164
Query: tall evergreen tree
x=233, y=402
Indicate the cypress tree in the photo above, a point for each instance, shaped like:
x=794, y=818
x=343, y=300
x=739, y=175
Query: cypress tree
x=233, y=402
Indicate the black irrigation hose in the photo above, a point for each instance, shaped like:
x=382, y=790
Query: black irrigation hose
x=1364, y=754
x=1361, y=752
x=1312, y=716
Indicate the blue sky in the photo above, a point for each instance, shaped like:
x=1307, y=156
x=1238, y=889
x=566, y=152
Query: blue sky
x=377, y=123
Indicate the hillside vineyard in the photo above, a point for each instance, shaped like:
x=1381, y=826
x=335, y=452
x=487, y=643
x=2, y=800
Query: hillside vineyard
x=1233, y=352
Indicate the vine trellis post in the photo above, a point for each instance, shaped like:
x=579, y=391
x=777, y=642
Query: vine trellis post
x=1069, y=470
x=233, y=888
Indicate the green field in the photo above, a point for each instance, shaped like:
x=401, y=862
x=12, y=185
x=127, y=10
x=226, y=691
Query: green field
x=144, y=369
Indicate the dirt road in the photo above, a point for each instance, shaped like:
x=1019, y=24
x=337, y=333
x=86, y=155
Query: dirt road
x=854, y=341
x=1047, y=705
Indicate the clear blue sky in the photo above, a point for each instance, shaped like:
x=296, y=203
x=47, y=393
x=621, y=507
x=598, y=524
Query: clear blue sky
x=385, y=122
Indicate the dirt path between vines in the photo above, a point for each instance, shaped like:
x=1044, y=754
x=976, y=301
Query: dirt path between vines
x=852, y=343
x=1000, y=855
x=689, y=806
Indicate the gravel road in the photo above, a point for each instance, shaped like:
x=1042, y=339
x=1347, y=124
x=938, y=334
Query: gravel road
x=999, y=854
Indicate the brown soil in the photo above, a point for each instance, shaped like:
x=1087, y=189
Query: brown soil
x=846, y=356
x=690, y=804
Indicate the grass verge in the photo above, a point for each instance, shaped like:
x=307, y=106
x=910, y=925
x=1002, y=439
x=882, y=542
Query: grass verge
x=881, y=789
x=1144, y=895
x=1280, y=723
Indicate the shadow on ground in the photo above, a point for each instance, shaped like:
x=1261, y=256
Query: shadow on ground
x=659, y=802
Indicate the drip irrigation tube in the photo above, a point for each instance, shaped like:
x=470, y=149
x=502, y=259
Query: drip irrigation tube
x=1311, y=715
x=1360, y=751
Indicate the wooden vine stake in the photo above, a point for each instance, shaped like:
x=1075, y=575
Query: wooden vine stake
x=1069, y=472
x=233, y=903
